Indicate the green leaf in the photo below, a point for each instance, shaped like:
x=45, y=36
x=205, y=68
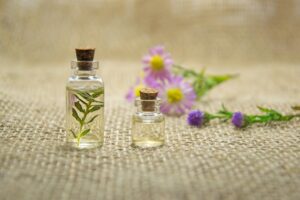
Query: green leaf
x=86, y=104
x=204, y=83
x=288, y=117
x=86, y=96
x=201, y=82
x=75, y=115
x=92, y=119
x=94, y=108
x=265, y=110
x=217, y=79
x=84, y=133
x=79, y=107
x=82, y=101
x=98, y=103
x=224, y=111
x=74, y=135
x=184, y=72
x=97, y=93
x=224, y=108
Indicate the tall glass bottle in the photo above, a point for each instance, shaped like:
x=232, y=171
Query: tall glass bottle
x=85, y=102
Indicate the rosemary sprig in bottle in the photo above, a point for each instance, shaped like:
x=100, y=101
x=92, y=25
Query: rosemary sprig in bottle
x=86, y=105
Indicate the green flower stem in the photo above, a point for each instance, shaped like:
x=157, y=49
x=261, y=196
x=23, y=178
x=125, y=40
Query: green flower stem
x=267, y=118
x=215, y=116
x=201, y=82
x=185, y=72
x=268, y=115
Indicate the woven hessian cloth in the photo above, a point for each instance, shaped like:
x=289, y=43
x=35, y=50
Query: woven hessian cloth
x=213, y=162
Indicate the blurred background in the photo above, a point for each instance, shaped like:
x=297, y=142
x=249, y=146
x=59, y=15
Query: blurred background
x=207, y=32
x=258, y=39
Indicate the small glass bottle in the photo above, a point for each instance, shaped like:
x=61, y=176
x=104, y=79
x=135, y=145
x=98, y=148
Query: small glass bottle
x=148, y=123
x=85, y=102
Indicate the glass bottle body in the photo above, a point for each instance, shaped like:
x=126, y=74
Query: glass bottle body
x=148, y=126
x=85, y=109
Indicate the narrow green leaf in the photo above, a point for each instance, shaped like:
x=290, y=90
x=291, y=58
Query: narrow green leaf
x=272, y=114
x=94, y=108
x=81, y=100
x=184, y=72
x=86, y=96
x=97, y=93
x=84, y=133
x=265, y=110
x=224, y=108
x=288, y=117
x=79, y=107
x=201, y=82
x=92, y=119
x=98, y=103
x=221, y=78
x=204, y=83
x=75, y=115
x=224, y=111
x=74, y=135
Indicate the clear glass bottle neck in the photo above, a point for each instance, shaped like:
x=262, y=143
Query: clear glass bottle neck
x=84, y=68
x=84, y=73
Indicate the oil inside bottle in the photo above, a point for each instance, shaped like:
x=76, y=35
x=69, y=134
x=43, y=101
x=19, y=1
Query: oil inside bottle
x=148, y=131
x=85, y=117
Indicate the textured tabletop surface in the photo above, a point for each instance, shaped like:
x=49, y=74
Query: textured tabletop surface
x=257, y=39
x=214, y=162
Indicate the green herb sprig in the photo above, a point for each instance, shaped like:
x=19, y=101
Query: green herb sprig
x=239, y=119
x=201, y=81
x=268, y=115
x=85, y=105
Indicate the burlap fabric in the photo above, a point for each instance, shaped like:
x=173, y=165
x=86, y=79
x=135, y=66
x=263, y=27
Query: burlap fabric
x=214, y=162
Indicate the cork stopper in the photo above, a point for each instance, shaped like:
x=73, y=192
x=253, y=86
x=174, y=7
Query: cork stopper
x=85, y=55
x=148, y=94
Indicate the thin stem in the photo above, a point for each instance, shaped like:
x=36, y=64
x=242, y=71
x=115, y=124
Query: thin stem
x=83, y=121
x=219, y=116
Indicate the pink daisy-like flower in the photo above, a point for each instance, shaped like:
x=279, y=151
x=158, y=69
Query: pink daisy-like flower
x=177, y=95
x=158, y=63
x=134, y=91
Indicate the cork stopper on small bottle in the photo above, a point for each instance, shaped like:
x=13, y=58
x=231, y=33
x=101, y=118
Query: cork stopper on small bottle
x=148, y=94
x=84, y=56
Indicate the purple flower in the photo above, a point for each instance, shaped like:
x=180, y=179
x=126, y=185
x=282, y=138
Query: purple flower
x=196, y=118
x=151, y=82
x=238, y=119
x=177, y=95
x=158, y=63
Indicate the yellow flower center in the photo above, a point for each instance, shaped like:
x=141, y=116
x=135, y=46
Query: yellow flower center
x=174, y=95
x=137, y=90
x=157, y=63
